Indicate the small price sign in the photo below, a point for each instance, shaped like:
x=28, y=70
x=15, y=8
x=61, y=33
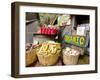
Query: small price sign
x=75, y=40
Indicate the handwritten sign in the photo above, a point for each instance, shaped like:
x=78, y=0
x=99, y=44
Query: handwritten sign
x=75, y=40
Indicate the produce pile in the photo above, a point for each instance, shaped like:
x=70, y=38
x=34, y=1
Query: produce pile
x=69, y=51
x=49, y=48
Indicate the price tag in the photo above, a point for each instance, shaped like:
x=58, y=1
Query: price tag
x=81, y=31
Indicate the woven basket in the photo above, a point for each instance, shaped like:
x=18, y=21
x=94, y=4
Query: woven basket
x=48, y=56
x=31, y=57
x=81, y=50
x=48, y=60
x=70, y=59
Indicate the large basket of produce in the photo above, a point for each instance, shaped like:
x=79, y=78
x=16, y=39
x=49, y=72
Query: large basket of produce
x=49, y=53
x=70, y=56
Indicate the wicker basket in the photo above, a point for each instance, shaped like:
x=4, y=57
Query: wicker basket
x=70, y=59
x=81, y=50
x=31, y=57
x=48, y=60
x=47, y=57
